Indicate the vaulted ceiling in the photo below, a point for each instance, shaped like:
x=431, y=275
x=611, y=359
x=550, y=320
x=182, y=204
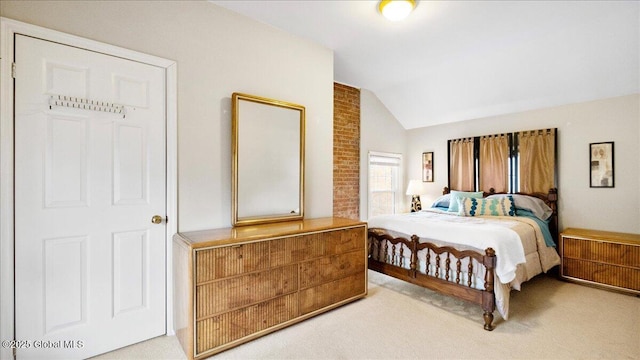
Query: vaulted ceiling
x=458, y=60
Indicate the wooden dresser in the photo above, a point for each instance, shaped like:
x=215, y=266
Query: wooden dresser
x=601, y=258
x=236, y=284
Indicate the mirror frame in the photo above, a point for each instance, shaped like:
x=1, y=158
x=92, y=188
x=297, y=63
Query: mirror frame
x=236, y=220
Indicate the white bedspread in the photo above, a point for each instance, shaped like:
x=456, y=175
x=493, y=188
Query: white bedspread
x=475, y=232
x=515, y=239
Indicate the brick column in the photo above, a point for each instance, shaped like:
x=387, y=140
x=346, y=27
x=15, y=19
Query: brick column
x=346, y=151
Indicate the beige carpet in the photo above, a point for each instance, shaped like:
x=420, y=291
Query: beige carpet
x=549, y=319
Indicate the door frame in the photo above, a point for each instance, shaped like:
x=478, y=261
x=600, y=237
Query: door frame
x=8, y=28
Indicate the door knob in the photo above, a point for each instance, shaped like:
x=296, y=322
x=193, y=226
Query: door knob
x=156, y=219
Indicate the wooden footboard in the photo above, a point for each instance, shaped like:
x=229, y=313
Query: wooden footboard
x=388, y=255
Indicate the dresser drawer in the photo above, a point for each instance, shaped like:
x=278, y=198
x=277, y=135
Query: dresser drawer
x=346, y=240
x=234, y=325
x=228, y=261
x=334, y=292
x=618, y=276
x=239, y=291
x=297, y=248
x=602, y=251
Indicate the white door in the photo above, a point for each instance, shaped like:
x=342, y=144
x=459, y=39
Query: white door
x=89, y=264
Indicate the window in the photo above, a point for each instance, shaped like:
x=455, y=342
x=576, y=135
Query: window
x=385, y=181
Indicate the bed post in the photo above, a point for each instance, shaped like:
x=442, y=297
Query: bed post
x=414, y=256
x=488, y=296
x=552, y=200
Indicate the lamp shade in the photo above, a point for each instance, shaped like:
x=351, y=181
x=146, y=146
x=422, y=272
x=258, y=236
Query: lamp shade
x=415, y=188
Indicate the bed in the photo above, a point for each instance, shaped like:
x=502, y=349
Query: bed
x=476, y=251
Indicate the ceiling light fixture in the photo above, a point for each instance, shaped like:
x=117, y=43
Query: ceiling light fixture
x=396, y=10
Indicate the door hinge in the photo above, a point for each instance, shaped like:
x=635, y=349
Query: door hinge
x=13, y=70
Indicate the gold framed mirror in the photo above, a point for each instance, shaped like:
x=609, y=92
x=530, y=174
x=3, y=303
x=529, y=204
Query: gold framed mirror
x=268, y=160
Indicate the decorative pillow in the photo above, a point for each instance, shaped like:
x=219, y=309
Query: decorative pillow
x=442, y=202
x=502, y=206
x=455, y=195
x=523, y=202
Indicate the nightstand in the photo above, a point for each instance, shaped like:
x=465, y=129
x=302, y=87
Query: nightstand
x=601, y=258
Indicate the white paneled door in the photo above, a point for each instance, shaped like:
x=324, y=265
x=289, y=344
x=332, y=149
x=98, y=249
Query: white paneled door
x=89, y=177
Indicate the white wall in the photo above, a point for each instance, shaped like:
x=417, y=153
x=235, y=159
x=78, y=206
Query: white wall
x=218, y=52
x=616, y=119
x=379, y=131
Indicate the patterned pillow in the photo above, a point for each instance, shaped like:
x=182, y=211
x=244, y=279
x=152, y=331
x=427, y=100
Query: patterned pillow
x=502, y=206
x=524, y=202
x=457, y=195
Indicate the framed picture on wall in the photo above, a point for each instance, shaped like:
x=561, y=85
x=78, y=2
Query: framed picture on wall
x=601, y=165
x=427, y=167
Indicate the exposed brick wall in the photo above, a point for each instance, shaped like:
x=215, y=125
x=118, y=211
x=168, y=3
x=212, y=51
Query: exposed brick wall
x=346, y=151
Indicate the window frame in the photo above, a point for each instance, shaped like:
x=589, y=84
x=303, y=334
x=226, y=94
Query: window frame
x=397, y=161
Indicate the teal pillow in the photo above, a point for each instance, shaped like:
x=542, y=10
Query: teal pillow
x=455, y=195
x=502, y=206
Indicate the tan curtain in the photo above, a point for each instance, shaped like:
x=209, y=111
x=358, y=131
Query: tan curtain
x=461, y=171
x=537, y=160
x=494, y=163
